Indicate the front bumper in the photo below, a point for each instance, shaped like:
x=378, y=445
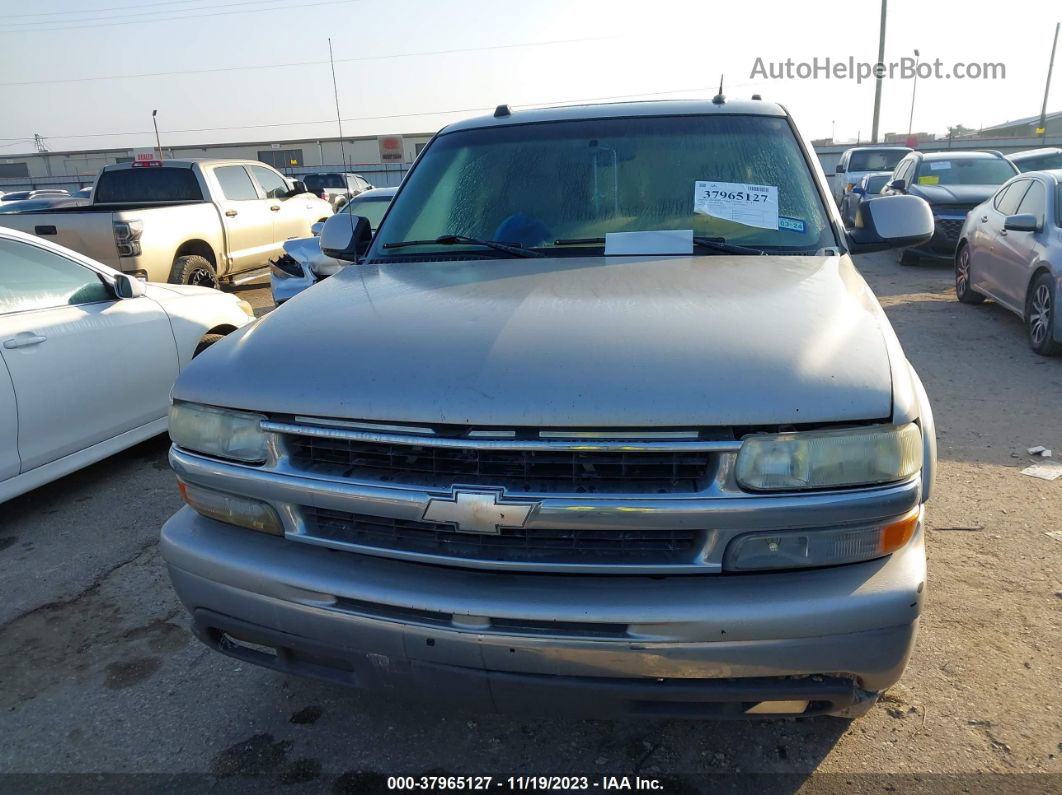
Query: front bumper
x=693, y=646
x=947, y=232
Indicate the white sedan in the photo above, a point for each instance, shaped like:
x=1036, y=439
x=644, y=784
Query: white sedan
x=88, y=356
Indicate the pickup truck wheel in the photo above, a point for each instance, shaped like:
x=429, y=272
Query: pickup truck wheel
x=206, y=342
x=194, y=270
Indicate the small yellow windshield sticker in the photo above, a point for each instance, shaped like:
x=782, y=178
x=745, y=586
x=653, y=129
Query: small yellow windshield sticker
x=928, y=180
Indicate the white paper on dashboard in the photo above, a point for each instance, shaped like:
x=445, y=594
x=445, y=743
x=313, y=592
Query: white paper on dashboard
x=939, y=165
x=656, y=241
x=751, y=205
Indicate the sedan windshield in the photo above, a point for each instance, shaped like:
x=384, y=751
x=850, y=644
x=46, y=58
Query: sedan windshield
x=564, y=186
x=372, y=207
x=875, y=160
x=965, y=171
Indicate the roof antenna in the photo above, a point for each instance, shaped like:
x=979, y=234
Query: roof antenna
x=719, y=98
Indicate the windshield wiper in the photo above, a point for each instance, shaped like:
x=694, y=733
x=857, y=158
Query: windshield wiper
x=512, y=249
x=714, y=243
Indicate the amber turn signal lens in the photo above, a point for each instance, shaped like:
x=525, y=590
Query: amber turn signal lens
x=898, y=533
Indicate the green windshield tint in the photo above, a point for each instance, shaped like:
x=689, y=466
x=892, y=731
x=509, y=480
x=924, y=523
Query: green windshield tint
x=534, y=184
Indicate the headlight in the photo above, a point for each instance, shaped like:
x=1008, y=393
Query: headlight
x=246, y=308
x=830, y=459
x=797, y=549
x=218, y=432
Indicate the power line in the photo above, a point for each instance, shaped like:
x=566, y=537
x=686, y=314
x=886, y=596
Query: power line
x=387, y=56
x=569, y=101
x=110, y=17
x=171, y=19
x=100, y=10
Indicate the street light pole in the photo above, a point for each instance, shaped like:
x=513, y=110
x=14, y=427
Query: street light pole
x=335, y=92
x=154, y=121
x=879, y=68
x=914, y=87
x=1047, y=88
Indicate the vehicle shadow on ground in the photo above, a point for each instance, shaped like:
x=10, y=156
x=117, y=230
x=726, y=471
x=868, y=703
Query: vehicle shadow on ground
x=686, y=756
x=93, y=478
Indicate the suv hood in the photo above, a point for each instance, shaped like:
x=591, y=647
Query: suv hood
x=575, y=342
x=953, y=194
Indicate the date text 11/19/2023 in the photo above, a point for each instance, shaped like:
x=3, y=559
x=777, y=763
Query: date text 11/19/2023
x=523, y=783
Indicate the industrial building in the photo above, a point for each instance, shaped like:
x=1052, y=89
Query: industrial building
x=382, y=159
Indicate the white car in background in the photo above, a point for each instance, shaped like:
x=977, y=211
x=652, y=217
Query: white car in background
x=88, y=356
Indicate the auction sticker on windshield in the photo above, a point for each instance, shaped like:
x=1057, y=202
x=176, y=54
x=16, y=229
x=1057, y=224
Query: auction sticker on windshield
x=751, y=205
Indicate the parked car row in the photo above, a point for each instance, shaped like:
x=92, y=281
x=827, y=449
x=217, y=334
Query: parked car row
x=996, y=217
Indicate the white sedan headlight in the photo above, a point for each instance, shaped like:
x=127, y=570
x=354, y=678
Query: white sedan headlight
x=830, y=459
x=218, y=432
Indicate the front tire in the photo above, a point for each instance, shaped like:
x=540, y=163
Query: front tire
x=1040, y=316
x=964, y=290
x=206, y=342
x=908, y=257
x=194, y=270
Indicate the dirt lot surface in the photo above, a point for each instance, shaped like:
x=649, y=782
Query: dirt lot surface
x=99, y=674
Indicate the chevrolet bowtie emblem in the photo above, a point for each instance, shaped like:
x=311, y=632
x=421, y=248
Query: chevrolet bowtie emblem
x=477, y=512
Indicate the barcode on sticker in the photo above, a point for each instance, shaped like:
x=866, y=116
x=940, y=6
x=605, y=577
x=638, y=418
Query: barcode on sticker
x=759, y=188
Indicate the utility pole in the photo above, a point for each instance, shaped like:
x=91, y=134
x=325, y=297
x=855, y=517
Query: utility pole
x=38, y=142
x=339, y=118
x=879, y=67
x=1047, y=87
x=158, y=144
x=914, y=86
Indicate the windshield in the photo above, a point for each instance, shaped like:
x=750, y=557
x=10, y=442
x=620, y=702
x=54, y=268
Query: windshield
x=965, y=171
x=372, y=207
x=565, y=185
x=875, y=184
x=27, y=205
x=876, y=160
x=319, y=181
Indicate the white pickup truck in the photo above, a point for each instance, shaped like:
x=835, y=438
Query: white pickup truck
x=182, y=221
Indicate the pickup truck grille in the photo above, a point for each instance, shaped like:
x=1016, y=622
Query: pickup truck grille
x=949, y=228
x=513, y=545
x=644, y=472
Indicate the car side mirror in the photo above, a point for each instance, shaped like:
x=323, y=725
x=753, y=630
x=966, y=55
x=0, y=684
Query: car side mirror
x=315, y=229
x=898, y=185
x=297, y=188
x=1023, y=222
x=126, y=286
x=890, y=222
x=858, y=190
x=346, y=237
x=839, y=169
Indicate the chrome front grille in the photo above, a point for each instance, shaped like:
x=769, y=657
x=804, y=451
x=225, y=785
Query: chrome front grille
x=524, y=470
x=510, y=545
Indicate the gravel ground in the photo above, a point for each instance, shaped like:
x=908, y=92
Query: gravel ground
x=99, y=674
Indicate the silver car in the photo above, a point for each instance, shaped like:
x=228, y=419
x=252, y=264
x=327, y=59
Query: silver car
x=1010, y=250
x=605, y=420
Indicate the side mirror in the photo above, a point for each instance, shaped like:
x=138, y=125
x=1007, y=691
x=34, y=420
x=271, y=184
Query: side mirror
x=858, y=190
x=898, y=185
x=1024, y=222
x=298, y=187
x=839, y=169
x=126, y=286
x=890, y=222
x=346, y=237
x=315, y=229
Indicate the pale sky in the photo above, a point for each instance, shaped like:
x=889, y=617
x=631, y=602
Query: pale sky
x=566, y=51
